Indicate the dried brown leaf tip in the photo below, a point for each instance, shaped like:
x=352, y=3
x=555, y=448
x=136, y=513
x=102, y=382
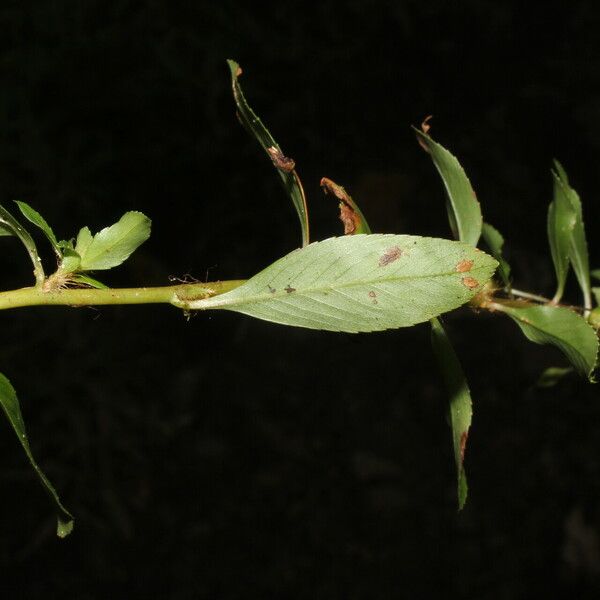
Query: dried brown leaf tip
x=238, y=71
x=425, y=126
x=389, y=256
x=348, y=214
x=470, y=282
x=281, y=162
x=464, y=266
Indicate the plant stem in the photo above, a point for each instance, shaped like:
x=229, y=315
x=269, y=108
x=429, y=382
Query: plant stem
x=177, y=295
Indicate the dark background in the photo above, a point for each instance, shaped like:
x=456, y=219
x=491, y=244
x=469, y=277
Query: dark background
x=228, y=458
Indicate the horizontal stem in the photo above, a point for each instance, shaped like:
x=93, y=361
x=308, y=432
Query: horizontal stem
x=169, y=294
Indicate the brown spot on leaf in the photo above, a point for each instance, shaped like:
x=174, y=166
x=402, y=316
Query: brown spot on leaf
x=349, y=214
x=289, y=289
x=470, y=282
x=281, y=162
x=271, y=289
x=373, y=296
x=238, y=71
x=463, y=444
x=425, y=126
x=389, y=256
x=464, y=265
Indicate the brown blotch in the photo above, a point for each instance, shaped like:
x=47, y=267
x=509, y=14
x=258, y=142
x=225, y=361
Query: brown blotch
x=463, y=445
x=289, y=289
x=470, y=282
x=349, y=215
x=464, y=265
x=281, y=162
x=389, y=256
x=425, y=126
x=373, y=296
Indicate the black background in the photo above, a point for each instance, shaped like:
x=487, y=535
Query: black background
x=231, y=458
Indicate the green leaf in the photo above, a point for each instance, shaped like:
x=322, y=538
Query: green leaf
x=70, y=261
x=463, y=208
x=552, y=375
x=113, y=245
x=89, y=281
x=361, y=283
x=566, y=219
x=9, y=223
x=34, y=217
x=596, y=274
x=461, y=406
x=284, y=165
x=494, y=240
x=596, y=292
x=10, y=405
x=559, y=327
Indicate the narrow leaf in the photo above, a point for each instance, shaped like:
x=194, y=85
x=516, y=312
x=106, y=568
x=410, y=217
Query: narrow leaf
x=361, y=283
x=495, y=242
x=596, y=274
x=9, y=223
x=10, y=405
x=285, y=166
x=350, y=215
x=34, y=217
x=559, y=327
x=463, y=208
x=113, y=245
x=89, y=281
x=461, y=406
x=573, y=231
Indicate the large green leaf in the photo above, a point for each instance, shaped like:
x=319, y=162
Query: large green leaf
x=566, y=232
x=285, y=166
x=10, y=405
x=34, y=217
x=361, y=283
x=494, y=240
x=464, y=211
x=461, y=406
x=562, y=328
x=113, y=245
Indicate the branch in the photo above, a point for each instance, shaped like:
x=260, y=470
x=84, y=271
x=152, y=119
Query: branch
x=176, y=295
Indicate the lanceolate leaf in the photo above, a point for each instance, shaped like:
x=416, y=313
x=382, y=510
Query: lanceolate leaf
x=113, y=245
x=34, y=217
x=10, y=224
x=284, y=165
x=464, y=211
x=570, y=232
x=10, y=405
x=562, y=328
x=361, y=283
x=461, y=407
x=494, y=240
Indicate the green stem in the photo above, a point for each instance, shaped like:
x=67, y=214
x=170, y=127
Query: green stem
x=530, y=296
x=178, y=295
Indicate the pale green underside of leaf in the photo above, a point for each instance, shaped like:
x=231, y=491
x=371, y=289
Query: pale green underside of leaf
x=463, y=210
x=10, y=405
x=361, y=283
x=461, y=406
x=562, y=328
x=495, y=242
x=33, y=216
x=256, y=127
x=113, y=245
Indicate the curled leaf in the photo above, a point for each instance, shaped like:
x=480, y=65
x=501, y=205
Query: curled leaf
x=351, y=216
